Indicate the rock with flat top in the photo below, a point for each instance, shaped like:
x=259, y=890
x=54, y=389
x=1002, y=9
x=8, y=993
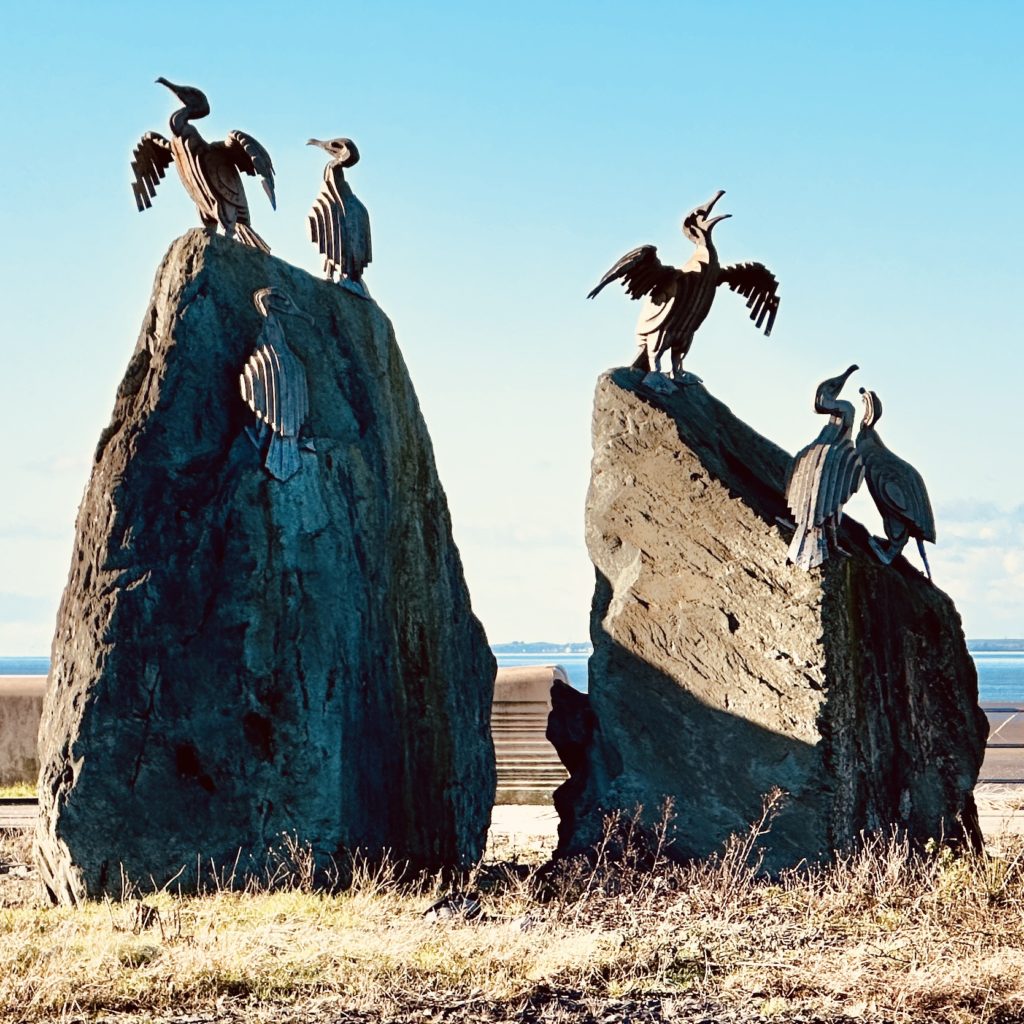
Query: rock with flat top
x=237, y=656
x=720, y=672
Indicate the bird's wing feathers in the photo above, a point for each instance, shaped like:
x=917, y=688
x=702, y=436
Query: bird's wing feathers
x=757, y=284
x=251, y=158
x=894, y=494
x=221, y=173
x=899, y=488
x=325, y=228
x=641, y=271
x=273, y=385
x=260, y=384
x=150, y=160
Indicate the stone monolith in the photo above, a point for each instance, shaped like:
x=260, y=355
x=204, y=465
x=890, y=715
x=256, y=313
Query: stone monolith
x=238, y=656
x=721, y=672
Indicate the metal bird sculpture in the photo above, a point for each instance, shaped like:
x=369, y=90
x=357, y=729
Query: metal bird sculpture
x=897, y=488
x=208, y=170
x=338, y=222
x=677, y=301
x=823, y=477
x=273, y=384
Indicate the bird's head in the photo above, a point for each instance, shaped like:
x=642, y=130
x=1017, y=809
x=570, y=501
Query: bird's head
x=828, y=390
x=341, y=151
x=195, y=101
x=277, y=302
x=698, y=222
x=872, y=408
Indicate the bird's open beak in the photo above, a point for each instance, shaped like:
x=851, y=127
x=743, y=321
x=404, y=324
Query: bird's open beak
x=709, y=206
x=317, y=142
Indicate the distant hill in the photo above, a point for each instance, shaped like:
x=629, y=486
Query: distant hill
x=989, y=646
x=541, y=647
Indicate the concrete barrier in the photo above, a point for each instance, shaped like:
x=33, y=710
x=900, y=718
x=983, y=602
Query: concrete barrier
x=21, y=705
x=528, y=767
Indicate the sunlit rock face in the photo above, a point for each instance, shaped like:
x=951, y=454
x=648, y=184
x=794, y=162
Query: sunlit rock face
x=238, y=656
x=720, y=672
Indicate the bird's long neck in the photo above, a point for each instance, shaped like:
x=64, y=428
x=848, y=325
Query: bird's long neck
x=841, y=414
x=705, y=253
x=273, y=330
x=336, y=173
x=868, y=435
x=180, y=121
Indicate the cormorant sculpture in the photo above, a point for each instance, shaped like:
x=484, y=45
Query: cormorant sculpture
x=678, y=300
x=897, y=488
x=273, y=384
x=208, y=170
x=823, y=477
x=338, y=223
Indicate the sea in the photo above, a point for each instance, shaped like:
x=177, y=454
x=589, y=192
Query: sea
x=1000, y=673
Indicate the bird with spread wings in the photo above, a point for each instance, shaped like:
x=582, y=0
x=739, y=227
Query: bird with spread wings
x=210, y=171
x=678, y=300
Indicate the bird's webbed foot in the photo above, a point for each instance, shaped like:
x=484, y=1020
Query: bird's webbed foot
x=354, y=286
x=832, y=533
x=659, y=382
x=259, y=435
x=683, y=378
x=884, y=551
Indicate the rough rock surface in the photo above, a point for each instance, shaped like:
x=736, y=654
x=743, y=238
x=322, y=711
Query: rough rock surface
x=237, y=657
x=720, y=672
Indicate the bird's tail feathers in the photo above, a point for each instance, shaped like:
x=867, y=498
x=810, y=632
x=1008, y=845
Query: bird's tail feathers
x=809, y=546
x=282, y=459
x=642, y=362
x=924, y=558
x=247, y=236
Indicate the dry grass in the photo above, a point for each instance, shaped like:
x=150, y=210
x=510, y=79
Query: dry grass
x=17, y=790
x=884, y=934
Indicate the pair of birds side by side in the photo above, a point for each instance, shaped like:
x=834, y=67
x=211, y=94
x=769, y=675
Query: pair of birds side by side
x=825, y=474
x=339, y=224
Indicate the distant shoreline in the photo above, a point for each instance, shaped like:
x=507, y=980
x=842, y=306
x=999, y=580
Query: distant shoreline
x=39, y=664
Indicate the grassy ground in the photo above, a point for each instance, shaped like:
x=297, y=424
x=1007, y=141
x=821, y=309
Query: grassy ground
x=17, y=789
x=882, y=936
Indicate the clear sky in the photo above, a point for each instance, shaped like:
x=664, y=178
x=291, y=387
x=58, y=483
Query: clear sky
x=872, y=157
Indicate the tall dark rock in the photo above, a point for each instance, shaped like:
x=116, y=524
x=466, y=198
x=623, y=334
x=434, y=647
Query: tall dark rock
x=236, y=656
x=720, y=672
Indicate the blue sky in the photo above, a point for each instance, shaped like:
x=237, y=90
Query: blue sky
x=872, y=157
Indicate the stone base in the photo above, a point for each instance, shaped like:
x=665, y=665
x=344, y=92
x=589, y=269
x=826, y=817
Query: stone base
x=720, y=672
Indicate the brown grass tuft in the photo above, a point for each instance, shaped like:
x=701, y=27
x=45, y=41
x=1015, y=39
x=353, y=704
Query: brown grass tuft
x=886, y=933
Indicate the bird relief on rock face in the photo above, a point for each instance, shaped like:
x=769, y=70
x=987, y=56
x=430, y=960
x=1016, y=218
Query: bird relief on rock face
x=678, y=300
x=897, y=489
x=339, y=224
x=274, y=386
x=209, y=171
x=822, y=478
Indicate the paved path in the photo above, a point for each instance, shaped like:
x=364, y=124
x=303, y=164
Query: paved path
x=17, y=814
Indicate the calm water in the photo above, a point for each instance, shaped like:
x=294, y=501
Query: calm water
x=1000, y=676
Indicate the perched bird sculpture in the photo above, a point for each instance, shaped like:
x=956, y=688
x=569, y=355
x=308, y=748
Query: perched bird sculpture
x=823, y=477
x=208, y=170
x=897, y=488
x=338, y=223
x=677, y=301
x=274, y=386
